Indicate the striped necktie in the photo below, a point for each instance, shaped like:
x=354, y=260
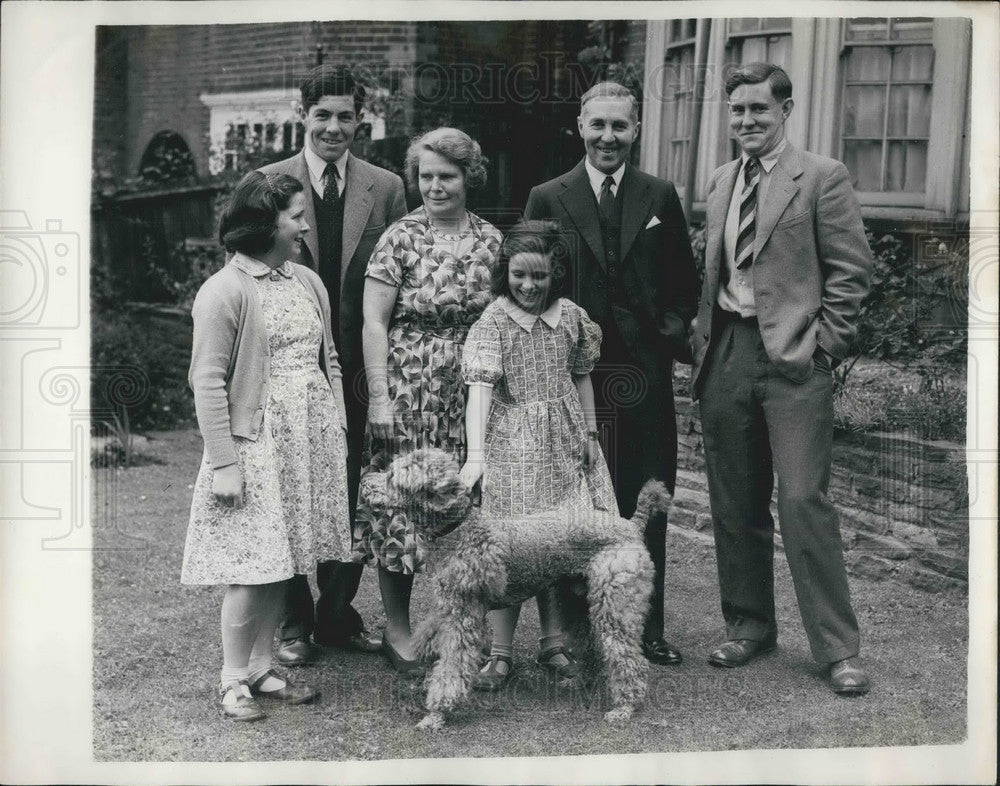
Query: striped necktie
x=748, y=215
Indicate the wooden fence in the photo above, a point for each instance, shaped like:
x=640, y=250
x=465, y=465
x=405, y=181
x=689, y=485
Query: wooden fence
x=133, y=234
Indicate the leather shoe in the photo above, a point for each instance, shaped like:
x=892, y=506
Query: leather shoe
x=490, y=678
x=361, y=641
x=405, y=666
x=244, y=708
x=291, y=693
x=295, y=652
x=661, y=652
x=847, y=678
x=739, y=652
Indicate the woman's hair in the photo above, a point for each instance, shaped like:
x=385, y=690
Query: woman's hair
x=457, y=146
x=533, y=237
x=250, y=217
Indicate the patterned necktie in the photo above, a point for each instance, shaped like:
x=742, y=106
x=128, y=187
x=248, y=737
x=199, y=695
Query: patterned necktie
x=331, y=193
x=606, y=203
x=748, y=215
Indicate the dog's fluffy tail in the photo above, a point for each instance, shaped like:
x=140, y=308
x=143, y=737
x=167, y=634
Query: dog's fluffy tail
x=653, y=499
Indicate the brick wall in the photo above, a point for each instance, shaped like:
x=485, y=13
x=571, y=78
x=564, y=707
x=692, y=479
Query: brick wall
x=168, y=67
x=903, y=503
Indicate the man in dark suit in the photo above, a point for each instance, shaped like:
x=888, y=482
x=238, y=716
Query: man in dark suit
x=633, y=271
x=786, y=268
x=350, y=203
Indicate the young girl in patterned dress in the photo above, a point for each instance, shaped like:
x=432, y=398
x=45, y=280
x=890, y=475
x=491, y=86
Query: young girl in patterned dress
x=271, y=496
x=530, y=422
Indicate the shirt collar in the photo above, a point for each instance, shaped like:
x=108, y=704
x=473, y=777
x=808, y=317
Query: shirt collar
x=768, y=160
x=523, y=319
x=596, y=177
x=257, y=269
x=317, y=165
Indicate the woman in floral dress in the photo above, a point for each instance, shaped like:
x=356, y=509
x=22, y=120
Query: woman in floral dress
x=428, y=281
x=271, y=495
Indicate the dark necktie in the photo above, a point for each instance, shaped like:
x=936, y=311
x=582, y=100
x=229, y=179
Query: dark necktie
x=605, y=206
x=331, y=193
x=748, y=215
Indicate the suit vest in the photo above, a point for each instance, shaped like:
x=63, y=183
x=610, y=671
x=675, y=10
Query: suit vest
x=329, y=233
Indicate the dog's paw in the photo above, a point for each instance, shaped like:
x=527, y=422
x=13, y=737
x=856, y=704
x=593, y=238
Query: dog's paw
x=619, y=714
x=432, y=721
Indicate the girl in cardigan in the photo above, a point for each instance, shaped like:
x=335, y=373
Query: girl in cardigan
x=271, y=495
x=530, y=421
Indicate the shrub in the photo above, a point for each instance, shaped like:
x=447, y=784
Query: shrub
x=135, y=380
x=904, y=317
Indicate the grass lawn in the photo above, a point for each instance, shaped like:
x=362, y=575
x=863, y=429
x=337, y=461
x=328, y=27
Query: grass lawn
x=157, y=656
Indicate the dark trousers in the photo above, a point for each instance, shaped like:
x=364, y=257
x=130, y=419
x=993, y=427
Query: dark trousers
x=334, y=618
x=756, y=421
x=638, y=431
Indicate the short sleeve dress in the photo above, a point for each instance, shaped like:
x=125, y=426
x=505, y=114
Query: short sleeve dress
x=295, y=474
x=444, y=285
x=536, y=433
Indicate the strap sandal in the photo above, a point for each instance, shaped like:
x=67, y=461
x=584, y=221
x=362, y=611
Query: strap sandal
x=244, y=708
x=565, y=671
x=490, y=678
x=291, y=693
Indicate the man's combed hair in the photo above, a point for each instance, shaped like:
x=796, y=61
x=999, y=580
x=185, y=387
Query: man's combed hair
x=249, y=220
x=611, y=90
x=331, y=80
x=755, y=73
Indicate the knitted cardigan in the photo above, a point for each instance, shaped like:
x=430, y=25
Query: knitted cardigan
x=230, y=359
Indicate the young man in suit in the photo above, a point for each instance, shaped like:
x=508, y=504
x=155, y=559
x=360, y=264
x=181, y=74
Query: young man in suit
x=632, y=269
x=350, y=203
x=786, y=268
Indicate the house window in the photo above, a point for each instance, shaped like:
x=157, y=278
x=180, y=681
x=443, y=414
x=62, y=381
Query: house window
x=252, y=128
x=767, y=40
x=678, y=91
x=886, y=113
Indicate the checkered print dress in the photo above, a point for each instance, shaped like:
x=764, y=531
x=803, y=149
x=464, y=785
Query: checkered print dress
x=536, y=433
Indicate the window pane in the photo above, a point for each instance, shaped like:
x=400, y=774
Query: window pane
x=864, y=111
x=753, y=50
x=906, y=168
x=867, y=29
x=909, y=111
x=912, y=63
x=747, y=25
x=868, y=64
x=779, y=50
x=912, y=29
x=690, y=26
x=777, y=23
x=864, y=161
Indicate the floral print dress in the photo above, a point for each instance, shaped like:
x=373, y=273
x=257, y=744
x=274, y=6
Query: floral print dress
x=295, y=474
x=444, y=285
x=536, y=433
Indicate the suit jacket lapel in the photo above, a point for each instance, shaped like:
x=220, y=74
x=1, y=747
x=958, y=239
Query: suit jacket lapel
x=780, y=191
x=636, y=200
x=578, y=200
x=357, y=209
x=715, y=221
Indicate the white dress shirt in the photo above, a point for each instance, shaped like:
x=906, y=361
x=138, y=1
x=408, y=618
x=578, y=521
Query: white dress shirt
x=317, y=166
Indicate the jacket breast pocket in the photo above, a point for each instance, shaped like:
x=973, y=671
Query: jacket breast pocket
x=793, y=220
